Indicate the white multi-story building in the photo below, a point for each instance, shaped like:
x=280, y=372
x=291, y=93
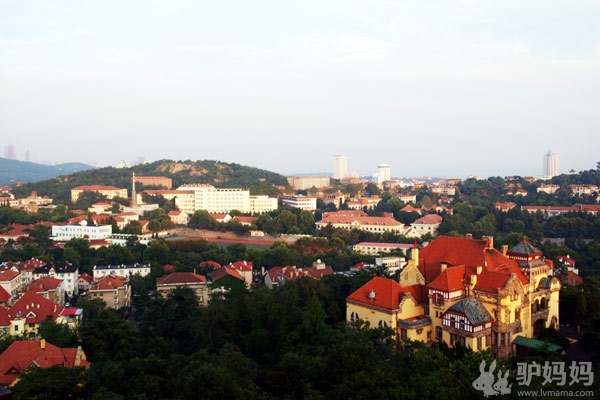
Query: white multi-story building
x=68, y=232
x=383, y=173
x=124, y=271
x=68, y=273
x=262, y=204
x=307, y=182
x=308, y=203
x=340, y=167
x=217, y=200
x=550, y=165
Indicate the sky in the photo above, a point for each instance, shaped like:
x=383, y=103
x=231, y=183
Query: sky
x=431, y=88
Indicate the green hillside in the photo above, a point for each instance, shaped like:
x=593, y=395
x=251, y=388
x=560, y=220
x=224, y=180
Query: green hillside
x=216, y=173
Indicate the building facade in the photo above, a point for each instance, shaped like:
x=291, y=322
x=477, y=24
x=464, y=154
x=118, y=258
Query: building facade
x=109, y=191
x=340, y=167
x=307, y=203
x=472, y=294
x=550, y=165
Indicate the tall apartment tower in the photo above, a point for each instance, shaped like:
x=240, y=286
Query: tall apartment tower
x=550, y=165
x=383, y=173
x=340, y=167
x=9, y=152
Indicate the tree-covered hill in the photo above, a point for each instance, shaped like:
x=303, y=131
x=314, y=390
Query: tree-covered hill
x=216, y=173
x=14, y=171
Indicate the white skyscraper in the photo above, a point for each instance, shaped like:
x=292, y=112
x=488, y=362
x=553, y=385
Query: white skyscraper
x=383, y=173
x=550, y=165
x=340, y=167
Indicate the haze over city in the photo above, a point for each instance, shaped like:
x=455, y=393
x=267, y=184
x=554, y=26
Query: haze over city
x=452, y=88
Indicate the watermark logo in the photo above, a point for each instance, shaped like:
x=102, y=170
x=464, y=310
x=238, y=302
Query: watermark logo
x=552, y=372
x=487, y=383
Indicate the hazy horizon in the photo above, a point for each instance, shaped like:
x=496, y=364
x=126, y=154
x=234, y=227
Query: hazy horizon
x=443, y=88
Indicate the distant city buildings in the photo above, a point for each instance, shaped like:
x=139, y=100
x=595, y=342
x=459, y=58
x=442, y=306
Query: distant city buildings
x=383, y=173
x=9, y=152
x=550, y=165
x=340, y=167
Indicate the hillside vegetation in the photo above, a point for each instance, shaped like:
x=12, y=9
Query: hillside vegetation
x=216, y=173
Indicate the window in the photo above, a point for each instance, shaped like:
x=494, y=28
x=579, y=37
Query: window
x=503, y=339
x=16, y=328
x=453, y=322
x=462, y=324
x=438, y=332
x=403, y=334
x=438, y=299
x=479, y=343
x=382, y=324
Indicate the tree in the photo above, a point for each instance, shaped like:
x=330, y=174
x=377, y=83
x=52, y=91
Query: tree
x=56, y=382
x=201, y=219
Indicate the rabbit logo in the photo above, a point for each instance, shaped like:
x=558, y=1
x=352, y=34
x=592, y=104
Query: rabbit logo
x=485, y=381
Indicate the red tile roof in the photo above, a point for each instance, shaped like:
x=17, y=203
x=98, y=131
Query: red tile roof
x=451, y=279
x=382, y=293
x=4, y=318
x=108, y=282
x=225, y=271
x=34, y=308
x=177, y=278
x=23, y=354
x=4, y=295
x=8, y=275
x=241, y=265
x=44, y=284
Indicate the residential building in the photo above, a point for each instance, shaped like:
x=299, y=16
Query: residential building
x=114, y=290
x=225, y=281
x=443, y=190
x=340, y=167
x=359, y=220
x=470, y=293
x=262, y=204
x=123, y=270
x=163, y=181
x=51, y=288
x=308, y=182
x=406, y=198
x=245, y=221
x=548, y=188
x=64, y=233
x=178, y=217
x=427, y=224
x=277, y=276
x=376, y=248
x=165, y=284
x=505, y=206
x=30, y=203
x=221, y=217
x=109, y=191
x=11, y=281
x=24, y=354
x=362, y=203
x=66, y=272
x=337, y=199
x=553, y=211
x=244, y=268
x=550, y=165
x=217, y=200
x=85, y=281
x=583, y=190
x=307, y=203
x=29, y=311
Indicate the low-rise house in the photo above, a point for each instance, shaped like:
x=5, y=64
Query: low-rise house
x=11, y=281
x=114, y=290
x=226, y=280
x=51, y=288
x=362, y=203
x=427, y=224
x=505, y=206
x=85, y=280
x=24, y=354
x=29, y=311
x=66, y=272
x=178, y=217
x=351, y=220
x=244, y=268
x=245, y=221
x=277, y=276
x=125, y=271
x=376, y=248
x=165, y=284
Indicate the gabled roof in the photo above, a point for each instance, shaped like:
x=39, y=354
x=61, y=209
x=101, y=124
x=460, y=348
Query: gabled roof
x=472, y=308
x=34, y=308
x=86, y=277
x=4, y=295
x=226, y=271
x=429, y=219
x=44, y=284
x=108, y=282
x=180, y=278
x=23, y=354
x=8, y=275
x=4, y=318
x=381, y=292
x=451, y=279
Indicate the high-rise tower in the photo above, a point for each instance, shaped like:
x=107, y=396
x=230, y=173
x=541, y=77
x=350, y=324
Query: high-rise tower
x=383, y=173
x=340, y=167
x=550, y=165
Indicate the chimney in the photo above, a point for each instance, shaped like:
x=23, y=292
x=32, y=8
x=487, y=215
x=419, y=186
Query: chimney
x=504, y=249
x=78, y=357
x=490, y=241
x=43, y=344
x=469, y=236
x=479, y=269
x=414, y=254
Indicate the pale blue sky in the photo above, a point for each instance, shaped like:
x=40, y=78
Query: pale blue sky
x=442, y=88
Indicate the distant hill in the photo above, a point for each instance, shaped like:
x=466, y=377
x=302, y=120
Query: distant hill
x=216, y=173
x=13, y=171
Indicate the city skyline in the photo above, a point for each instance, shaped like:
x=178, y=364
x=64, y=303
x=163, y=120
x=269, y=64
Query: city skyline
x=457, y=89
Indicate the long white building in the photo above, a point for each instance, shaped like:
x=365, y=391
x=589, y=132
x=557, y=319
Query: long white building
x=221, y=200
x=68, y=232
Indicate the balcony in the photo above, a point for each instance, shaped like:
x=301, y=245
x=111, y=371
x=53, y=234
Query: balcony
x=513, y=327
x=540, y=314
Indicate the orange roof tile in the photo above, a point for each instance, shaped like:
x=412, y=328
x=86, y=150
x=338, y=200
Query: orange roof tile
x=34, y=308
x=382, y=292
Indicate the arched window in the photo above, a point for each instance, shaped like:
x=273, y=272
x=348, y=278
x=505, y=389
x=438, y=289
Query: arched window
x=354, y=318
x=382, y=324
